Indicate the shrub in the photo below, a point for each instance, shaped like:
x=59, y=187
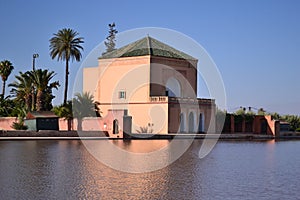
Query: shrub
x=19, y=126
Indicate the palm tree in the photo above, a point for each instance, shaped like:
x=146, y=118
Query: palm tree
x=31, y=82
x=41, y=80
x=84, y=106
x=66, y=46
x=22, y=89
x=65, y=111
x=6, y=68
x=6, y=106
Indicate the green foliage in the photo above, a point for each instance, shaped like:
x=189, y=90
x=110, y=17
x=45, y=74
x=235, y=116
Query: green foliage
x=249, y=116
x=43, y=88
x=110, y=42
x=220, y=115
x=145, y=129
x=21, y=112
x=33, y=89
x=241, y=111
x=6, y=68
x=22, y=90
x=238, y=118
x=19, y=126
x=6, y=106
x=65, y=45
x=275, y=116
x=261, y=111
x=220, y=119
x=297, y=130
x=64, y=111
x=84, y=106
x=294, y=121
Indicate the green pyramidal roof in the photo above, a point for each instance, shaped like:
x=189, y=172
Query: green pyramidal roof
x=147, y=46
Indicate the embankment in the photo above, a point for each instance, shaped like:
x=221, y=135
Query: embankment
x=50, y=133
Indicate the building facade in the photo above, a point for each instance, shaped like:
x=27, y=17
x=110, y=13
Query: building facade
x=155, y=83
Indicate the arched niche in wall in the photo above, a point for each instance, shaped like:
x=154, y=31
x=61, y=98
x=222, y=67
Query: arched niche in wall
x=173, y=87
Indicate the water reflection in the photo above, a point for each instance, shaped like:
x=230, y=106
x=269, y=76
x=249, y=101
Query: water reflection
x=66, y=170
x=136, y=146
x=137, y=156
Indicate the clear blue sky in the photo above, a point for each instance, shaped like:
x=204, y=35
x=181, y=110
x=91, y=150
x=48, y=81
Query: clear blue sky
x=255, y=44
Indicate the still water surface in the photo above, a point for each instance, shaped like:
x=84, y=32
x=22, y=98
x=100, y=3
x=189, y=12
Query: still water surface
x=233, y=170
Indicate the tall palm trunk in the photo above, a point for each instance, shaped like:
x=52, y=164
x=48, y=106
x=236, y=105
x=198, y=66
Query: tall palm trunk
x=70, y=124
x=66, y=81
x=3, y=88
x=28, y=102
x=33, y=99
x=39, y=100
x=79, y=124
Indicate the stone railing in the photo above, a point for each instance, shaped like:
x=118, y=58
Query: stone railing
x=191, y=100
x=159, y=99
x=181, y=100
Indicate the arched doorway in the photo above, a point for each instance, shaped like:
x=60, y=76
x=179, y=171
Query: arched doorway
x=173, y=87
x=191, y=122
x=182, y=123
x=115, y=126
x=201, y=123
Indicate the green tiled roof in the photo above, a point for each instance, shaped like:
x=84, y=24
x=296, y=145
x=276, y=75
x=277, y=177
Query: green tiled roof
x=147, y=46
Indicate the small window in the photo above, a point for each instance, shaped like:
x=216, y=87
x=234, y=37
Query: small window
x=122, y=95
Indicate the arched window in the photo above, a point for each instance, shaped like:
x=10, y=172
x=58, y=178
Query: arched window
x=173, y=87
x=201, y=123
x=182, y=123
x=191, y=122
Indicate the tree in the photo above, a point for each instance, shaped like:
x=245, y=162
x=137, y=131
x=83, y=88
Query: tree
x=31, y=82
x=294, y=121
x=241, y=111
x=275, y=116
x=6, y=68
x=261, y=111
x=66, y=46
x=65, y=111
x=220, y=119
x=21, y=113
x=6, y=106
x=41, y=80
x=84, y=106
x=110, y=42
x=22, y=90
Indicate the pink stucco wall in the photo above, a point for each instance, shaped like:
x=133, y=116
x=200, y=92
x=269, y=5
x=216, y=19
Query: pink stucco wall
x=7, y=122
x=97, y=123
x=88, y=124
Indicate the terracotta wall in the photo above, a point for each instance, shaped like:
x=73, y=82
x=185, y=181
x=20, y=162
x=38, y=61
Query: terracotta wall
x=182, y=70
x=258, y=124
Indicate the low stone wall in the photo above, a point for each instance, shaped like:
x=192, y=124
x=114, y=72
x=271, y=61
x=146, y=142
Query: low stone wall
x=53, y=134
